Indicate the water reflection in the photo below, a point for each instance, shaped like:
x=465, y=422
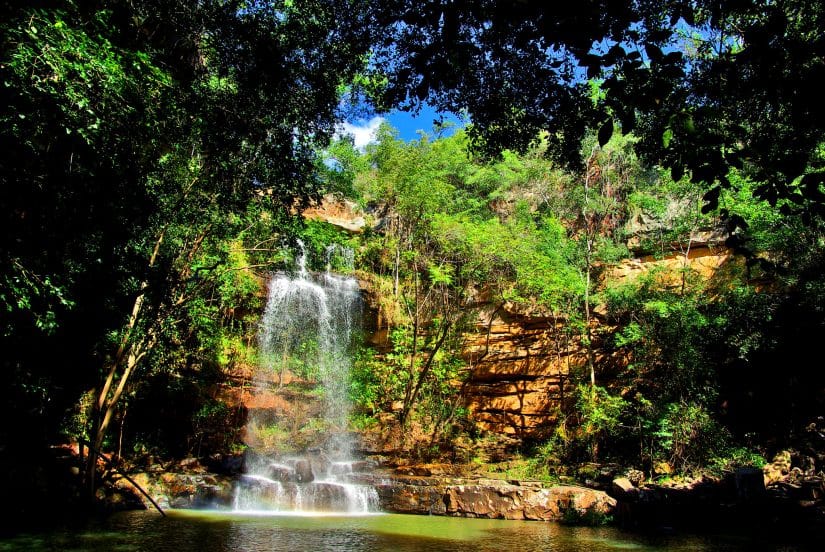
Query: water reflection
x=222, y=532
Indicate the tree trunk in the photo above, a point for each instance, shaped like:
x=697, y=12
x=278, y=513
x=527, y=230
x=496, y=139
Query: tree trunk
x=405, y=409
x=590, y=229
x=425, y=370
x=131, y=353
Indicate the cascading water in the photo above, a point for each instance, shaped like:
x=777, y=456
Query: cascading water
x=307, y=329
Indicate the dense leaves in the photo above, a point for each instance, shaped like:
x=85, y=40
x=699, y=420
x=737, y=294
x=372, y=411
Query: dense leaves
x=155, y=152
x=139, y=140
x=707, y=86
x=679, y=360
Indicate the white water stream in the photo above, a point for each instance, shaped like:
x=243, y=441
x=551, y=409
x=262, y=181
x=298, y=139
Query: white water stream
x=308, y=325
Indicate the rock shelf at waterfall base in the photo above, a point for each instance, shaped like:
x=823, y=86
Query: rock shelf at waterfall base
x=301, y=485
x=702, y=507
x=382, y=492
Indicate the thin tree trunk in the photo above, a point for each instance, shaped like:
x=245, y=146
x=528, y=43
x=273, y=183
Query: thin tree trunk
x=109, y=405
x=425, y=369
x=107, y=398
x=396, y=270
x=93, y=452
x=120, y=433
x=128, y=352
x=590, y=232
x=591, y=365
x=405, y=409
x=686, y=263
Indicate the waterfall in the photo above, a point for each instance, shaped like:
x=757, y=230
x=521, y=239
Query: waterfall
x=306, y=331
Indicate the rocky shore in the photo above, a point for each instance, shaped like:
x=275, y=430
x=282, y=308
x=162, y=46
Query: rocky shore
x=740, y=500
x=427, y=495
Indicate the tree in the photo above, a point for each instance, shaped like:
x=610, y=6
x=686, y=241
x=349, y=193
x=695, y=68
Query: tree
x=415, y=182
x=135, y=137
x=608, y=172
x=706, y=86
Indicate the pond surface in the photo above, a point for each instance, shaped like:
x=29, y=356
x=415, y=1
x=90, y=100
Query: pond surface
x=202, y=531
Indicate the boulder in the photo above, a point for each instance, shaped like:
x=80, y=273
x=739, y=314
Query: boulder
x=411, y=499
x=623, y=489
x=492, y=499
x=181, y=490
x=191, y=465
x=636, y=477
x=226, y=464
x=280, y=472
x=303, y=471
x=778, y=470
x=341, y=213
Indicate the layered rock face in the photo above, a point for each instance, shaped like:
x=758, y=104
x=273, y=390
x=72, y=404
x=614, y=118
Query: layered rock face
x=520, y=367
x=337, y=212
x=524, y=365
x=490, y=498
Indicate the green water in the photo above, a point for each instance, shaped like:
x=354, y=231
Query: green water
x=200, y=531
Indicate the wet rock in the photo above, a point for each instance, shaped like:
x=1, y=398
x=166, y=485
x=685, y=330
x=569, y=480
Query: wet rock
x=303, y=471
x=363, y=466
x=779, y=468
x=350, y=468
x=226, y=464
x=491, y=499
x=623, y=489
x=279, y=472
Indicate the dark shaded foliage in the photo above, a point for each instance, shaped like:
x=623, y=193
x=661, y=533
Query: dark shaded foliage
x=707, y=86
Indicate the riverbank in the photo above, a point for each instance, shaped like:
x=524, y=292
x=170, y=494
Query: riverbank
x=736, y=503
x=705, y=505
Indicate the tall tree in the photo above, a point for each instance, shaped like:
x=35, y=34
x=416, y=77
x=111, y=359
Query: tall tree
x=133, y=133
x=706, y=85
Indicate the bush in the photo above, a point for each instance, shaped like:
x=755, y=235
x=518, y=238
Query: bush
x=688, y=437
x=592, y=425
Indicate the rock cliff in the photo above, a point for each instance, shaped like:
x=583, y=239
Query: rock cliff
x=524, y=365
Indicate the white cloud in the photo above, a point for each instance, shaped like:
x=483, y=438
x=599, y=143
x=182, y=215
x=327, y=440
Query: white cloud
x=363, y=131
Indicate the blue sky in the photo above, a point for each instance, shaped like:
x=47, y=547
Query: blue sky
x=408, y=125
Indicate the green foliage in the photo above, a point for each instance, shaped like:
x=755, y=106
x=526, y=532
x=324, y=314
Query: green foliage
x=89, y=79
x=304, y=361
x=138, y=206
x=536, y=467
x=523, y=259
x=589, y=518
x=707, y=88
x=273, y=439
x=216, y=424
x=318, y=236
x=687, y=437
x=134, y=198
x=376, y=382
x=736, y=457
x=596, y=417
x=441, y=404
x=665, y=329
x=25, y=295
x=600, y=412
